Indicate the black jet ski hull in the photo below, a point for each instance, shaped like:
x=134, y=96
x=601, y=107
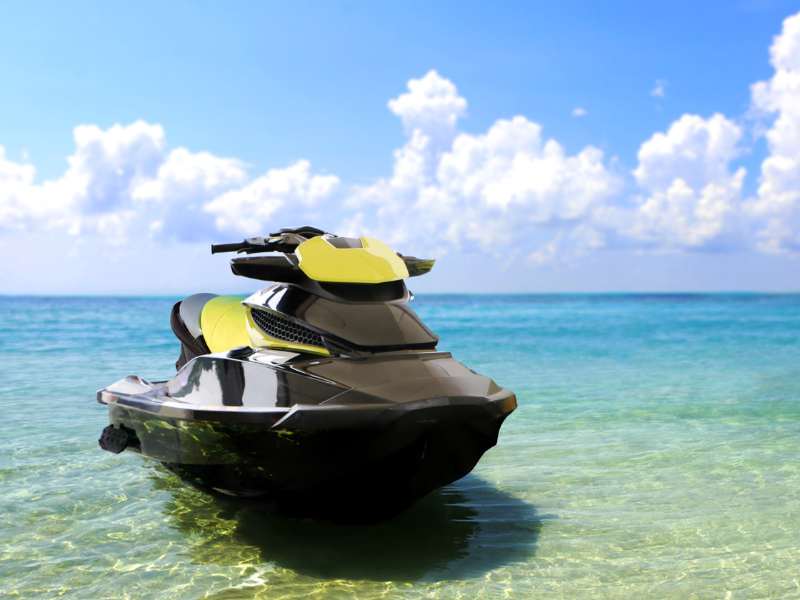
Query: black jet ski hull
x=347, y=457
x=372, y=470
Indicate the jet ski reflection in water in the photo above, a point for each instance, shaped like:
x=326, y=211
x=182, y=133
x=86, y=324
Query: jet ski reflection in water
x=323, y=393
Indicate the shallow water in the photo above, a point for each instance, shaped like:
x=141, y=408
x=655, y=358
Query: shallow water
x=655, y=453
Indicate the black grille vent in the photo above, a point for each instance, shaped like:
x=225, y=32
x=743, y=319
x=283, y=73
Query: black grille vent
x=283, y=329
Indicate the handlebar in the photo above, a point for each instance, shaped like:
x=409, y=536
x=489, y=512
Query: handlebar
x=285, y=240
x=254, y=246
x=234, y=247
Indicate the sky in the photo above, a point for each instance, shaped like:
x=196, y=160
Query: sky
x=528, y=147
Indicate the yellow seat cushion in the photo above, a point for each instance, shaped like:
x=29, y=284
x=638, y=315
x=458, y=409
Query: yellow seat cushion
x=224, y=323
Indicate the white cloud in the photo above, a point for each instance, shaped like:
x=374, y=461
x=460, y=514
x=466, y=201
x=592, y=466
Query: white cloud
x=185, y=173
x=511, y=168
x=696, y=149
x=690, y=195
x=101, y=172
x=123, y=178
x=777, y=202
x=97, y=182
x=508, y=186
x=485, y=189
x=174, y=196
x=16, y=181
x=431, y=105
x=107, y=164
x=249, y=210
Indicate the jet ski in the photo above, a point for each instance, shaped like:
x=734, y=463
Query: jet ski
x=323, y=393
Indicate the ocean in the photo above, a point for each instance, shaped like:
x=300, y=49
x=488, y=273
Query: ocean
x=655, y=453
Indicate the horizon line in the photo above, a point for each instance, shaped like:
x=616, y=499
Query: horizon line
x=451, y=293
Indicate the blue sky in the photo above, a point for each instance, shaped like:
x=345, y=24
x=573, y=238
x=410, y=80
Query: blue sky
x=281, y=112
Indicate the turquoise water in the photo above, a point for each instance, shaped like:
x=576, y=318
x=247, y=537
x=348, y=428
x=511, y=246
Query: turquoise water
x=655, y=453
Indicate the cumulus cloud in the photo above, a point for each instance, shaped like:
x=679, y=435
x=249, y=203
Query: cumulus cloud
x=250, y=209
x=185, y=173
x=177, y=192
x=579, y=112
x=123, y=178
x=691, y=195
x=107, y=164
x=508, y=186
x=777, y=202
x=16, y=181
x=478, y=188
x=101, y=173
x=431, y=105
x=512, y=166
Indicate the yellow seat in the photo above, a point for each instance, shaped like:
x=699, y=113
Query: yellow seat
x=224, y=323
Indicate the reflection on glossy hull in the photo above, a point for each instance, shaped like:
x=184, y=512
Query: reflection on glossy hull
x=347, y=473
